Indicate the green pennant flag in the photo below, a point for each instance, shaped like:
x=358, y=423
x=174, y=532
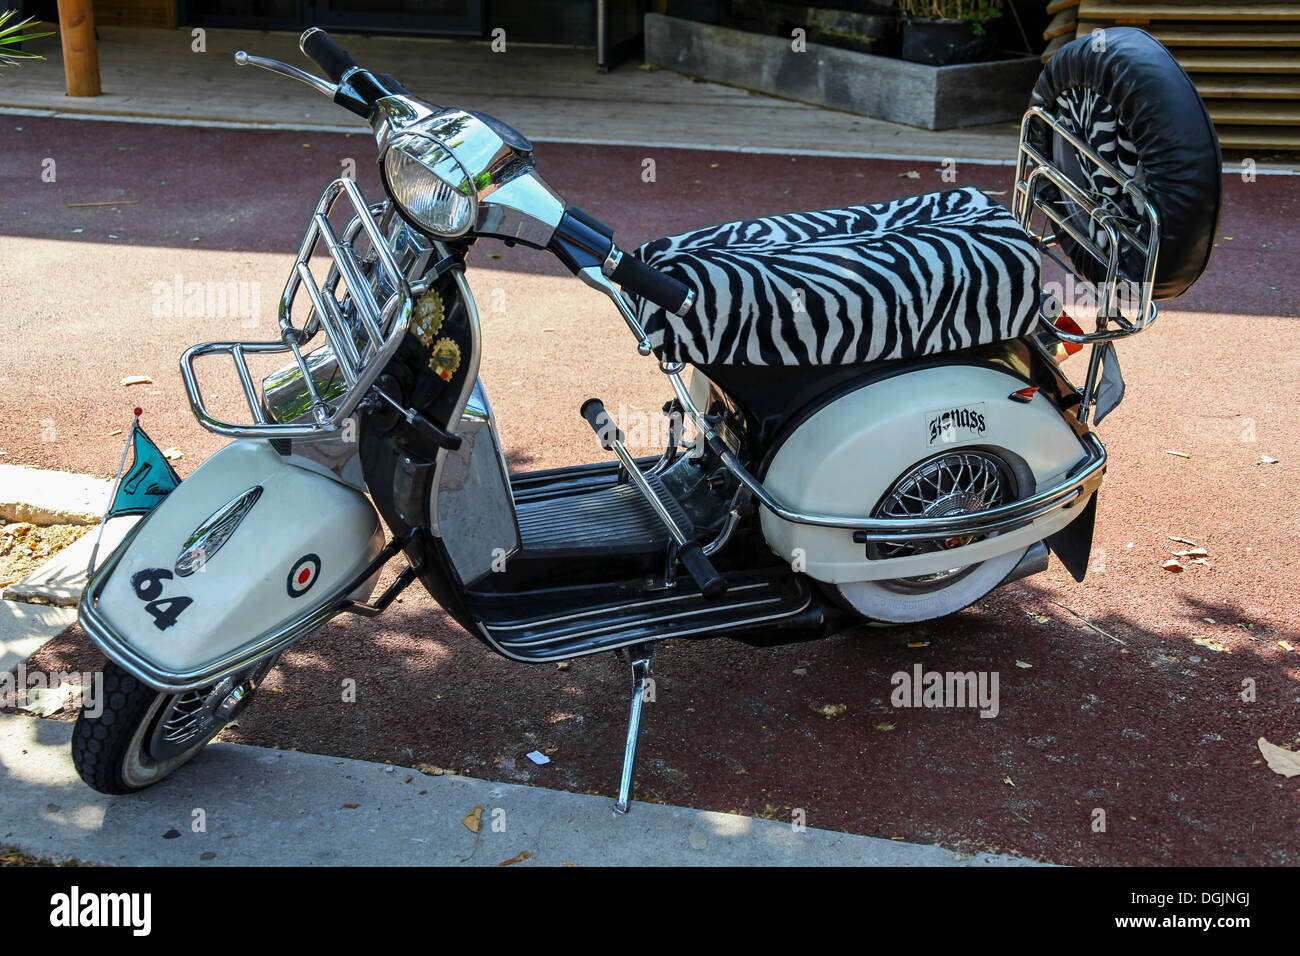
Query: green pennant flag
x=149, y=480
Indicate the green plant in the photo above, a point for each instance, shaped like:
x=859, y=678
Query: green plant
x=12, y=34
x=977, y=10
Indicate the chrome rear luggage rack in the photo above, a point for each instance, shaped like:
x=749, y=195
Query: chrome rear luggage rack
x=363, y=328
x=1033, y=172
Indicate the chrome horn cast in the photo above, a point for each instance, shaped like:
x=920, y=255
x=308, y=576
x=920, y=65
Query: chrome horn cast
x=207, y=539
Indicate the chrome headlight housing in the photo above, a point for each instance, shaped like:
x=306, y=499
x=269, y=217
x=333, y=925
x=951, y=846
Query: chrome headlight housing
x=429, y=186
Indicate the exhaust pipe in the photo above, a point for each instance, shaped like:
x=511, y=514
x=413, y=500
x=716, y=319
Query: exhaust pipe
x=1034, y=561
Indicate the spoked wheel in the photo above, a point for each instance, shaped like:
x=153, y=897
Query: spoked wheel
x=136, y=736
x=952, y=483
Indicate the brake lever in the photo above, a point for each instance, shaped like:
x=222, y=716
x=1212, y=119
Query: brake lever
x=284, y=69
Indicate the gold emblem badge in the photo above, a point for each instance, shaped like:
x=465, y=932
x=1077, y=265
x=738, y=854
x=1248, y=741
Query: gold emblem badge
x=445, y=358
x=426, y=317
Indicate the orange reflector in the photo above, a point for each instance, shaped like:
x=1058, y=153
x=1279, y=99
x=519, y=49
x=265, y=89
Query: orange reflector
x=1024, y=395
x=1067, y=324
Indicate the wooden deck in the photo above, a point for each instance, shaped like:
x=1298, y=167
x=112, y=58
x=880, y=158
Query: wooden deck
x=551, y=93
x=1244, y=58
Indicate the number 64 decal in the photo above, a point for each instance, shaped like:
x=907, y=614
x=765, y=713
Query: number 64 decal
x=148, y=585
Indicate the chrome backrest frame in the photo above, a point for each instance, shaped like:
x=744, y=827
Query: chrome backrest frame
x=363, y=328
x=1033, y=171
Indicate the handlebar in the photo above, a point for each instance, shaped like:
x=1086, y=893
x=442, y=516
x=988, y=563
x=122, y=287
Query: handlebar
x=316, y=44
x=650, y=284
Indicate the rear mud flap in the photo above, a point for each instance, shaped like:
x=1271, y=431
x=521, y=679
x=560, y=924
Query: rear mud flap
x=1073, y=543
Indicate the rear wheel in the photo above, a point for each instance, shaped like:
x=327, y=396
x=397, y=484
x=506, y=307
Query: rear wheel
x=136, y=736
x=957, y=482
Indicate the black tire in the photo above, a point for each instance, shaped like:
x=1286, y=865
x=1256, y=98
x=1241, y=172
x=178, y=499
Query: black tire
x=1130, y=101
x=111, y=750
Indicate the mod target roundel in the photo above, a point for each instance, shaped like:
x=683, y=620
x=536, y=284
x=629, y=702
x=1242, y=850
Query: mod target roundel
x=303, y=575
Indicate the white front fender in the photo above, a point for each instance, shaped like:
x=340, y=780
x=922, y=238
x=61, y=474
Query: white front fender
x=287, y=566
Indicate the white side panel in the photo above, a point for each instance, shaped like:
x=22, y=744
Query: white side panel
x=243, y=590
x=847, y=455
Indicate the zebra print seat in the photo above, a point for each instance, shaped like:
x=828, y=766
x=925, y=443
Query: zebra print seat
x=893, y=280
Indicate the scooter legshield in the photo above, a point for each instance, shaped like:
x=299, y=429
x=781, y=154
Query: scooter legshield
x=261, y=579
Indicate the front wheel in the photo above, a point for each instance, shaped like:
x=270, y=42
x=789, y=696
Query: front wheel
x=133, y=736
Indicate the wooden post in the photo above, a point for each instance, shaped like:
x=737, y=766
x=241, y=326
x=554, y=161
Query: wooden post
x=80, y=51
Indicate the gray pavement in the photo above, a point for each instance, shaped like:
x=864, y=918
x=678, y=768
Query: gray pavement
x=248, y=806
x=24, y=629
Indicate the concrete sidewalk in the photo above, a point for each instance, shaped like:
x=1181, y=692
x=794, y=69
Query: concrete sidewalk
x=551, y=93
x=263, y=807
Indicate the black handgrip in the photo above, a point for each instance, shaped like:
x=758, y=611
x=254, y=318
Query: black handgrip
x=649, y=283
x=593, y=410
x=701, y=569
x=327, y=54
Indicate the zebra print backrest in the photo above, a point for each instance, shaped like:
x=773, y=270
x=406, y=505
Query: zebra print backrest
x=893, y=280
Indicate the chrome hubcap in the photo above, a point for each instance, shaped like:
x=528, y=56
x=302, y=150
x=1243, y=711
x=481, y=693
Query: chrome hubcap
x=192, y=718
x=953, y=483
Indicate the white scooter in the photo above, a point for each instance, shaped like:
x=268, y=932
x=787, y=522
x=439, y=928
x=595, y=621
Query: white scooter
x=868, y=421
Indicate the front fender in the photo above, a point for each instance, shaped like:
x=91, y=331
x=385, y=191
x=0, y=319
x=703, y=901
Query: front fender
x=288, y=566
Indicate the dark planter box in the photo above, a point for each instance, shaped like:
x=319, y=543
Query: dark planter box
x=931, y=97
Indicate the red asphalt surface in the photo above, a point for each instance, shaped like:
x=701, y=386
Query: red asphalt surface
x=1108, y=701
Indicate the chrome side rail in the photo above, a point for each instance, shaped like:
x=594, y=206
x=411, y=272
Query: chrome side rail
x=1082, y=482
x=363, y=328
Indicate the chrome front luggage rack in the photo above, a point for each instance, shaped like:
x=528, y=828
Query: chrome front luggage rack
x=363, y=327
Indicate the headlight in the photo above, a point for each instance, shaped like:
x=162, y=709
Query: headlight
x=430, y=187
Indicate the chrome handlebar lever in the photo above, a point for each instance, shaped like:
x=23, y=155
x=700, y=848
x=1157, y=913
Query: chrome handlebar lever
x=284, y=69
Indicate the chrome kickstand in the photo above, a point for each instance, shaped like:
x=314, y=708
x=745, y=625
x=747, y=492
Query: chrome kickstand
x=640, y=655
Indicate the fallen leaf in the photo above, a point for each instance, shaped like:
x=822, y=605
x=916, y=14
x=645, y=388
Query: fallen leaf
x=1205, y=642
x=1285, y=646
x=1024, y=664
x=831, y=710
x=885, y=727
x=910, y=174
x=1174, y=565
x=1039, y=618
x=350, y=806
x=562, y=666
x=516, y=859
x=800, y=672
x=1265, y=460
x=1280, y=760
x=1190, y=544
x=474, y=819
x=1006, y=778
x=1194, y=553
x=137, y=380
x=44, y=701
x=1178, y=454
x=429, y=770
